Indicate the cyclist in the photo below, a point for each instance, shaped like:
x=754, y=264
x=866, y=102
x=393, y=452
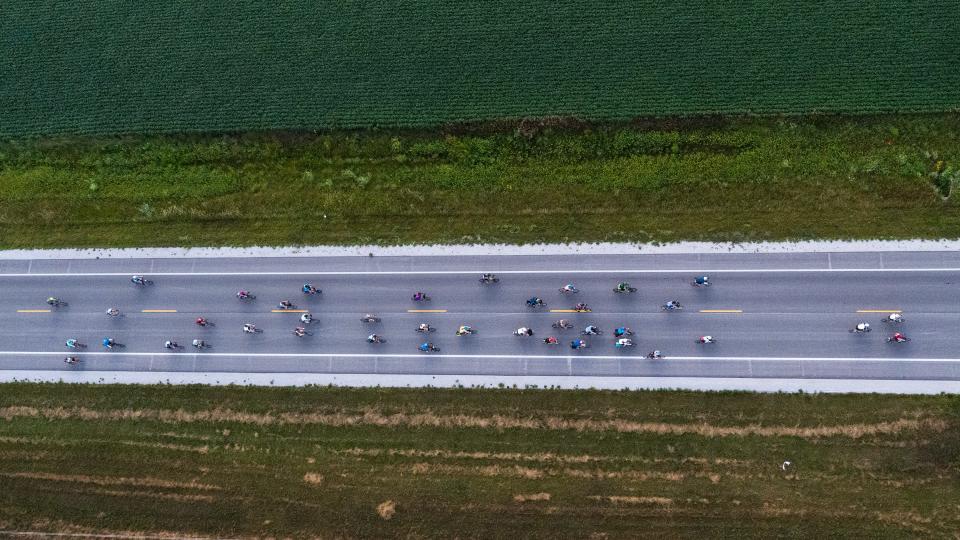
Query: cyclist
x=286, y=304
x=568, y=288
x=369, y=317
x=309, y=289
x=623, y=286
x=374, y=338
x=673, y=304
x=534, y=302
x=622, y=331
x=581, y=307
x=306, y=318
x=113, y=312
x=199, y=343
x=244, y=295
x=299, y=331
x=550, y=340
x=591, y=330
x=139, y=280
x=654, y=355
x=464, y=330
x=419, y=296
x=424, y=327
x=623, y=342
x=563, y=323
x=861, y=327
x=54, y=301
x=428, y=347
x=523, y=331
x=201, y=321
x=705, y=340
x=702, y=281
x=488, y=278
x=171, y=345
x=250, y=328
x=894, y=318
x=71, y=360
x=73, y=343
x=109, y=342
x=899, y=338
x=578, y=344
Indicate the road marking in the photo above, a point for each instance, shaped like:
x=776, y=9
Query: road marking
x=426, y=311
x=695, y=271
x=567, y=311
x=288, y=311
x=33, y=311
x=879, y=311
x=721, y=311
x=158, y=311
x=560, y=358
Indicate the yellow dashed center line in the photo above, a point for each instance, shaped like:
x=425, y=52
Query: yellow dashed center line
x=158, y=311
x=288, y=311
x=721, y=311
x=426, y=311
x=566, y=311
x=33, y=311
x=879, y=311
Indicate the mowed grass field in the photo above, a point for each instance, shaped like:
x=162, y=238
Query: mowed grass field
x=705, y=179
x=467, y=463
x=112, y=67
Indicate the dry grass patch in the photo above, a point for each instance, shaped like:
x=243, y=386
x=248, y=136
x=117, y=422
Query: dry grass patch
x=375, y=418
x=314, y=479
x=629, y=499
x=532, y=497
x=112, y=480
x=387, y=509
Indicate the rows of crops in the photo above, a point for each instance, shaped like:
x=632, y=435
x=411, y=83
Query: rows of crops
x=113, y=66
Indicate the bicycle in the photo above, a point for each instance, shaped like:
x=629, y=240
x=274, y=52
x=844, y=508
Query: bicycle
x=569, y=290
x=489, y=279
x=654, y=355
x=562, y=325
x=56, y=302
x=75, y=344
x=426, y=329
x=370, y=319
x=428, y=347
x=902, y=339
x=625, y=290
x=201, y=344
x=71, y=360
x=141, y=282
x=421, y=298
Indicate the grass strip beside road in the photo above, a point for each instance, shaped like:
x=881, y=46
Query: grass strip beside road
x=728, y=180
x=229, y=461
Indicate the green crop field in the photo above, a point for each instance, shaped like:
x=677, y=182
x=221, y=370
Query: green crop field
x=231, y=462
x=110, y=66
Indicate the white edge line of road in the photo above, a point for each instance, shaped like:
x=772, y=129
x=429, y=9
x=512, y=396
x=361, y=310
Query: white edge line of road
x=558, y=357
x=883, y=386
x=599, y=248
x=693, y=271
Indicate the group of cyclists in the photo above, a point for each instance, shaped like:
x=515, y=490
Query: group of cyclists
x=621, y=334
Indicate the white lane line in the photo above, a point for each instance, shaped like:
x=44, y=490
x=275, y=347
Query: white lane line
x=481, y=356
x=482, y=270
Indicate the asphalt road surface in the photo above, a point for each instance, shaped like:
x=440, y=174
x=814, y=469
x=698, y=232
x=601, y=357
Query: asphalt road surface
x=773, y=315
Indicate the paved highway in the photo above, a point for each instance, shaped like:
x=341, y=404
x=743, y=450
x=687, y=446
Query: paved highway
x=784, y=316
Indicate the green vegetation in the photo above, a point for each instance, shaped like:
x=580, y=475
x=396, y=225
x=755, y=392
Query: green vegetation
x=113, y=66
x=324, y=462
x=706, y=179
